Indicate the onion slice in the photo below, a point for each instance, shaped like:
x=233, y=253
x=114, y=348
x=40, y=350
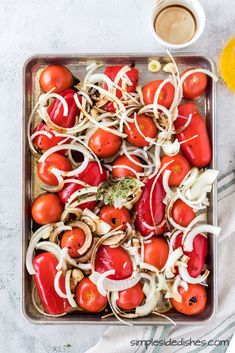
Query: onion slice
x=57, y=286
x=188, y=242
x=68, y=289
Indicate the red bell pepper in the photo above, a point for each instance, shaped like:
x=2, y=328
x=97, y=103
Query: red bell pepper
x=197, y=150
x=197, y=257
x=92, y=176
x=56, y=110
x=45, y=268
x=142, y=207
x=112, y=72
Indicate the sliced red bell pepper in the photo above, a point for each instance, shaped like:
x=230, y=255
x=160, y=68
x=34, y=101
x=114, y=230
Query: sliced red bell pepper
x=198, y=149
x=45, y=268
x=111, y=72
x=197, y=257
x=56, y=110
x=143, y=211
x=92, y=176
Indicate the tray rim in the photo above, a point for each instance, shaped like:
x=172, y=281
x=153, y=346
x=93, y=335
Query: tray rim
x=92, y=56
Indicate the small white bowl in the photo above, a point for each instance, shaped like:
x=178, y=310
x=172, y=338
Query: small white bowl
x=194, y=6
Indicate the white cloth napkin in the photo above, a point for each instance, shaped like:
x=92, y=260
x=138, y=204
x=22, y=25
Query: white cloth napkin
x=120, y=339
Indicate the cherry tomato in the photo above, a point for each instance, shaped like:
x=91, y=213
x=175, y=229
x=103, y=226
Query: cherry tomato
x=182, y=213
x=143, y=209
x=56, y=110
x=194, y=85
x=131, y=298
x=42, y=142
x=117, y=259
x=115, y=217
x=198, y=149
x=45, y=268
x=156, y=252
x=197, y=257
x=92, y=176
x=55, y=76
x=47, y=208
x=88, y=297
x=54, y=160
x=166, y=95
x=73, y=240
x=104, y=144
x=125, y=161
x=193, y=300
x=146, y=126
x=179, y=168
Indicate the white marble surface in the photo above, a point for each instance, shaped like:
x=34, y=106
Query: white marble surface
x=91, y=26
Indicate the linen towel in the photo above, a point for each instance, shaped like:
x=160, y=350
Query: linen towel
x=217, y=333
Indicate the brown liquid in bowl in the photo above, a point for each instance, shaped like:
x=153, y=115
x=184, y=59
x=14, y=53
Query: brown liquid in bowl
x=175, y=24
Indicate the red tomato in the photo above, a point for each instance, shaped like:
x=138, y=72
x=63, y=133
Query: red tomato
x=45, y=268
x=117, y=259
x=146, y=126
x=42, y=142
x=197, y=150
x=193, y=300
x=55, y=76
x=73, y=240
x=182, y=213
x=47, y=208
x=56, y=110
x=125, y=161
x=197, y=257
x=54, y=160
x=179, y=168
x=143, y=210
x=104, y=144
x=194, y=85
x=132, y=74
x=156, y=252
x=88, y=297
x=131, y=298
x=115, y=217
x=166, y=95
x=92, y=176
x=112, y=72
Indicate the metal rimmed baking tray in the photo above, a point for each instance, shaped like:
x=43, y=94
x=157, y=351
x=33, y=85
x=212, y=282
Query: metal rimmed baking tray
x=77, y=63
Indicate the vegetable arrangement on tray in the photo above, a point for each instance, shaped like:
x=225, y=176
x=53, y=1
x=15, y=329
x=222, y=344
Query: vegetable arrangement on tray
x=121, y=218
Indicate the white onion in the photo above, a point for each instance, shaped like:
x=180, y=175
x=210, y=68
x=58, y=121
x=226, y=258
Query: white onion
x=170, y=264
x=41, y=132
x=42, y=232
x=193, y=71
x=148, y=267
x=171, y=148
x=128, y=168
x=203, y=183
x=190, y=177
x=100, y=282
x=57, y=286
x=68, y=289
x=50, y=247
x=148, y=226
x=63, y=255
x=193, y=280
x=188, y=242
x=116, y=285
x=84, y=267
x=44, y=98
x=165, y=182
x=80, y=192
